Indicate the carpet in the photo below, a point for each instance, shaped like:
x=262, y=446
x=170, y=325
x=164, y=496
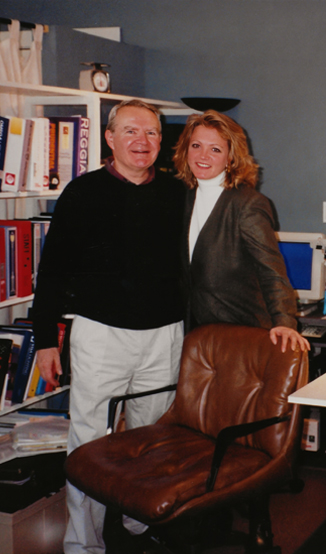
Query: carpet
x=316, y=544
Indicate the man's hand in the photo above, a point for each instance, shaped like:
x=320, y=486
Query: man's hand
x=48, y=362
x=288, y=336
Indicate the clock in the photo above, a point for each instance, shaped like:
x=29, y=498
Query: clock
x=100, y=78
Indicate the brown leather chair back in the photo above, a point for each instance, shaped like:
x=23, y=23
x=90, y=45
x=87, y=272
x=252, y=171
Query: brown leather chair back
x=234, y=374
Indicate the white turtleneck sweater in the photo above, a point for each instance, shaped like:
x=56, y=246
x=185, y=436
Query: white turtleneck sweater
x=208, y=192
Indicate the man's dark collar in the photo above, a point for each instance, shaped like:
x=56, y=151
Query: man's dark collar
x=111, y=169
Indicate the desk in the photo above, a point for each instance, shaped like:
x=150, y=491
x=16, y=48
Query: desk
x=315, y=318
x=317, y=355
x=312, y=394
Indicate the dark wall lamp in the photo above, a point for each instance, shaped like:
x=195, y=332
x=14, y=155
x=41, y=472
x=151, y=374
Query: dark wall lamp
x=203, y=104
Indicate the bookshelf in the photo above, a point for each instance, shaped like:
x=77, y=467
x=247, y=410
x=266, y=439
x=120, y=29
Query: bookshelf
x=26, y=204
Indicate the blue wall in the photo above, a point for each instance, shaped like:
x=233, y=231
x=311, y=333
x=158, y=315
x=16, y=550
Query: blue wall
x=269, y=53
x=64, y=50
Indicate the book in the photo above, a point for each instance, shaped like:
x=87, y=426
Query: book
x=37, y=385
x=40, y=388
x=29, y=380
x=40, y=227
x=24, y=337
x=3, y=293
x=45, y=225
x=68, y=149
x=65, y=152
x=27, y=144
x=82, y=146
x=32, y=385
x=35, y=173
x=4, y=125
x=23, y=254
x=64, y=348
x=3, y=392
x=53, y=156
x=5, y=353
x=17, y=154
x=36, y=250
x=11, y=260
x=17, y=342
x=26, y=361
x=63, y=341
x=46, y=154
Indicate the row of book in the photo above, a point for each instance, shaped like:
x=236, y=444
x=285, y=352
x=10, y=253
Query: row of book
x=42, y=153
x=20, y=377
x=21, y=245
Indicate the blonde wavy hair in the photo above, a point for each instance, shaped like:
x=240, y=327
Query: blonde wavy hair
x=241, y=166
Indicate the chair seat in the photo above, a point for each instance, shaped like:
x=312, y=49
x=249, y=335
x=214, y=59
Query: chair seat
x=152, y=471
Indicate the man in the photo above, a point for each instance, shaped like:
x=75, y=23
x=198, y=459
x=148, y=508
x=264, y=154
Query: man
x=111, y=258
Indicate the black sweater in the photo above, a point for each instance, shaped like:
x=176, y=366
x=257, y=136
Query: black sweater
x=111, y=255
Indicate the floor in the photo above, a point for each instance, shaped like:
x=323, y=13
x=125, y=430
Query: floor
x=295, y=517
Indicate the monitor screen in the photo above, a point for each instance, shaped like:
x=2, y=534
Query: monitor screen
x=298, y=263
x=304, y=255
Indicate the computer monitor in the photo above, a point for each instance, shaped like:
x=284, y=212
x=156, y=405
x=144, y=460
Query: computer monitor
x=304, y=256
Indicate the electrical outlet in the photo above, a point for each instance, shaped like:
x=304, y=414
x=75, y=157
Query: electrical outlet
x=324, y=212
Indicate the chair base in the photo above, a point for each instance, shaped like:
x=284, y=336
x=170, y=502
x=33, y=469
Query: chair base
x=214, y=530
x=201, y=534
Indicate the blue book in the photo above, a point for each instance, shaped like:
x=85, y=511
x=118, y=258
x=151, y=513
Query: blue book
x=40, y=389
x=64, y=145
x=24, y=362
x=24, y=367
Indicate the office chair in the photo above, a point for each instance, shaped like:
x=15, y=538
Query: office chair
x=229, y=439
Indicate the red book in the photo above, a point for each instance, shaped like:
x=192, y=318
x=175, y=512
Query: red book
x=24, y=255
x=2, y=265
x=61, y=338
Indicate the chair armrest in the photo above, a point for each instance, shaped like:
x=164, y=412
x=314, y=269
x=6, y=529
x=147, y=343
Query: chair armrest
x=229, y=434
x=114, y=401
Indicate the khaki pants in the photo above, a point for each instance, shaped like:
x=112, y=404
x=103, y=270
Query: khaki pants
x=107, y=361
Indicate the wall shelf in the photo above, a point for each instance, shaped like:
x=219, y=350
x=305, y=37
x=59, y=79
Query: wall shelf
x=30, y=194
x=15, y=301
x=34, y=400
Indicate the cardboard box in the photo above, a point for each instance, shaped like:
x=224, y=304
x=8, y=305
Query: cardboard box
x=38, y=529
x=311, y=432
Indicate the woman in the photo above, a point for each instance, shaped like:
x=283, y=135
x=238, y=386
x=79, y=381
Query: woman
x=233, y=269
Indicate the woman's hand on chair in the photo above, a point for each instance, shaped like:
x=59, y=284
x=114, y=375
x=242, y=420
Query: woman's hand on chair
x=289, y=337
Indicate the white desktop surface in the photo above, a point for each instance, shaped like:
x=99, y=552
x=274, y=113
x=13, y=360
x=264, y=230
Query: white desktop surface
x=312, y=394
